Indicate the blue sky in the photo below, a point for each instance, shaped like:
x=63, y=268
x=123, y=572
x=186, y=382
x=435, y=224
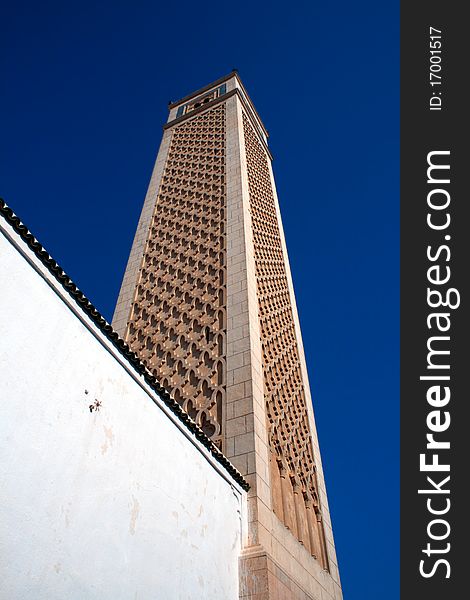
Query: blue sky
x=84, y=92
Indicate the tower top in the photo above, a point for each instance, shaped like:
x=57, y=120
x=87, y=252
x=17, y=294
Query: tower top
x=213, y=93
x=207, y=87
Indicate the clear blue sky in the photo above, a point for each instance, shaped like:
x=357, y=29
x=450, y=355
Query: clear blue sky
x=84, y=92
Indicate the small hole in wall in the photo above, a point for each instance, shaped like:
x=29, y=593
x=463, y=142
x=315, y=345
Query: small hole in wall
x=95, y=406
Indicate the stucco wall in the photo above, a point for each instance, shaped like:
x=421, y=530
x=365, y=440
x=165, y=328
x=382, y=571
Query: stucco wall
x=118, y=503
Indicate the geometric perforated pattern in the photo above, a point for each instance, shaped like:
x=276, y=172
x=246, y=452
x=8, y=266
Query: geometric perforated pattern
x=177, y=323
x=288, y=424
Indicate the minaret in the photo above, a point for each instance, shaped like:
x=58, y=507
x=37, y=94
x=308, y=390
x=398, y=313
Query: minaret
x=207, y=302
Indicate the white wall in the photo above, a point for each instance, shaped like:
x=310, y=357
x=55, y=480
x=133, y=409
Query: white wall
x=115, y=504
